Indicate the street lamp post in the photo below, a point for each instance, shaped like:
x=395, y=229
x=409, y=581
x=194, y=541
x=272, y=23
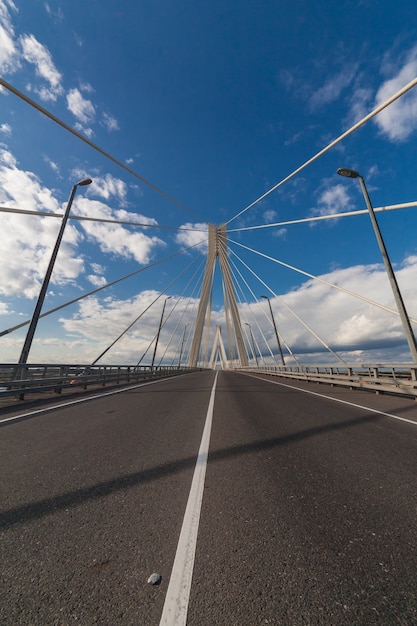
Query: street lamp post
x=35, y=317
x=253, y=343
x=158, y=333
x=275, y=328
x=388, y=267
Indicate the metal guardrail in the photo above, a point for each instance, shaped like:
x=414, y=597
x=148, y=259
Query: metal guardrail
x=20, y=380
x=396, y=378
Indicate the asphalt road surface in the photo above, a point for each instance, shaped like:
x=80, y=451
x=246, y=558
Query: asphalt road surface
x=308, y=511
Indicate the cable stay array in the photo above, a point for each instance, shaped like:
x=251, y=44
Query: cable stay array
x=175, y=280
x=322, y=280
x=103, y=287
x=239, y=296
x=290, y=310
x=329, y=146
x=92, y=145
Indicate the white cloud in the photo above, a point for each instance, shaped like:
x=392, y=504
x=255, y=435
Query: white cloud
x=97, y=281
x=110, y=123
x=114, y=239
x=9, y=60
x=356, y=330
x=97, y=268
x=84, y=86
x=332, y=88
x=54, y=166
x=127, y=216
x=109, y=187
x=57, y=14
x=280, y=233
x=269, y=216
x=6, y=129
x=36, y=53
x=4, y=309
x=27, y=241
x=195, y=233
x=345, y=323
x=360, y=106
x=332, y=200
x=88, y=132
x=351, y=327
x=399, y=120
x=80, y=107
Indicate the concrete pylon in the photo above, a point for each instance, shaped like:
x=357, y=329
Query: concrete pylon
x=218, y=351
x=217, y=249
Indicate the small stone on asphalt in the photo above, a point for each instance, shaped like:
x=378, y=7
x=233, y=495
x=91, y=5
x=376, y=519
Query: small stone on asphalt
x=154, y=579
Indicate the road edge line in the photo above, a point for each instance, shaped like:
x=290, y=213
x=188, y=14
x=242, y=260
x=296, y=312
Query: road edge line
x=322, y=395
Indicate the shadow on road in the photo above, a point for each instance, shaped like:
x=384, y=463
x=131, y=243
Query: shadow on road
x=49, y=506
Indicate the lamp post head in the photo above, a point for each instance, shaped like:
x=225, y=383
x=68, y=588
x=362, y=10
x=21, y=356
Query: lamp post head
x=343, y=171
x=266, y=297
x=85, y=181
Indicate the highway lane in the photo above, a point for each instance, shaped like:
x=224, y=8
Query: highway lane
x=93, y=497
x=308, y=513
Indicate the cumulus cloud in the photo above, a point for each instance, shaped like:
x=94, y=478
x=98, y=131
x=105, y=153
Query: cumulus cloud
x=332, y=200
x=192, y=235
x=97, y=281
x=399, y=120
x=350, y=326
x=8, y=52
x=80, y=107
x=356, y=330
x=27, y=241
x=37, y=54
x=109, y=122
x=353, y=328
x=109, y=187
x=98, y=322
x=6, y=129
x=52, y=164
x=4, y=309
x=115, y=239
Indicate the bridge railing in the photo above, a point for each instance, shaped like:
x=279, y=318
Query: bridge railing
x=21, y=380
x=396, y=378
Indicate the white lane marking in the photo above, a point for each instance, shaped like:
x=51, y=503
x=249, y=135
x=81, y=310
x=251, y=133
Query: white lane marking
x=178, y=593
x=321, y=395
x=80, y=400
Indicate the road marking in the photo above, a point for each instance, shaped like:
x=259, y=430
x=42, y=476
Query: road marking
x=322, y=395
x=80, y=400
x=178, y=594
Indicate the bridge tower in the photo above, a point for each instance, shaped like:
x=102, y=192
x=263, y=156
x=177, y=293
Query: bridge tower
x=217, y=250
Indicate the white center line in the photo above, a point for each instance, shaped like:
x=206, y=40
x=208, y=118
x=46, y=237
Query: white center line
x=178, y=593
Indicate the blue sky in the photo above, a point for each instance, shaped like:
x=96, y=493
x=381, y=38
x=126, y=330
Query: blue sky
x=214, y=104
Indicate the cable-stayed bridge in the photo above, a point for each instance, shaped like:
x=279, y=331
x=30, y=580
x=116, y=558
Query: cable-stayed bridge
x=220, y=491
x=213, y=480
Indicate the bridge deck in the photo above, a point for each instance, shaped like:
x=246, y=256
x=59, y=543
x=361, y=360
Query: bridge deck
x=308, y=513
